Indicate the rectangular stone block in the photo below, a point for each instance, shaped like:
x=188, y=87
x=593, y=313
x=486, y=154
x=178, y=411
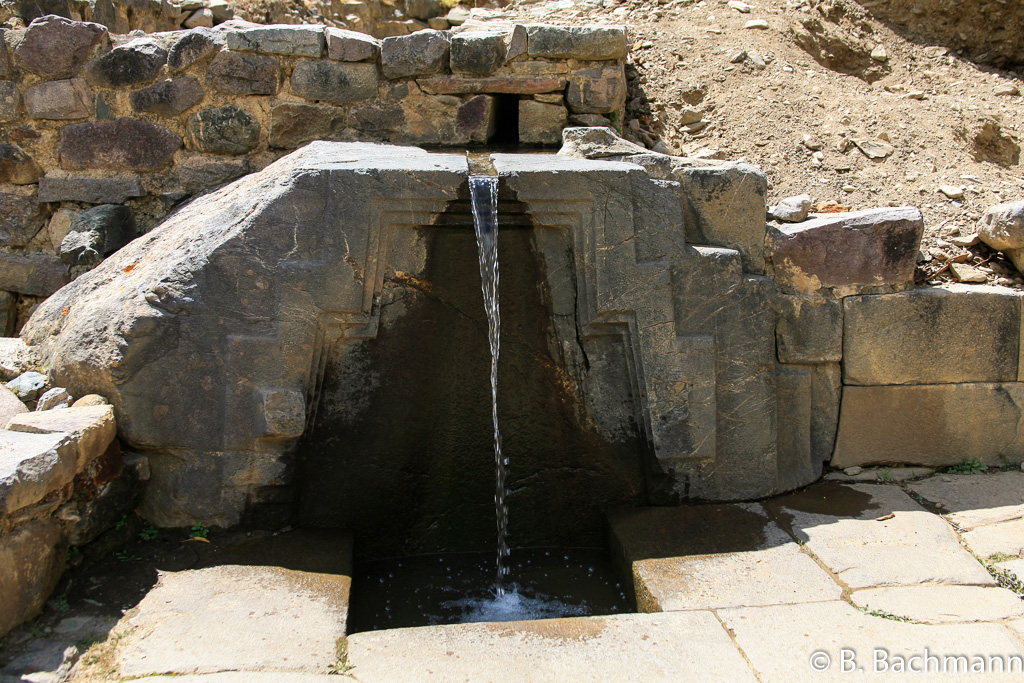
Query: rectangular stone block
x=930, y=424
x=808, y=408
x=540, y=123
x=304, y=41
x=337, y=82
x=60, y=100
x=32, y=466
x=32, y=557
x=35, y=274
x=89, y=190
x=91, y=428
x=724, y=206
x=576, y=42
x=963, y=333
x=293, y=124
x=809, y=329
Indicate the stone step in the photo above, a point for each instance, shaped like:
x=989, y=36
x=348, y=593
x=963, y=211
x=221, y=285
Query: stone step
x=713, y=556
x=677, y=646
x=274, y=605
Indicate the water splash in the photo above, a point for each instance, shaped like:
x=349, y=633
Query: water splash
x=484, y=194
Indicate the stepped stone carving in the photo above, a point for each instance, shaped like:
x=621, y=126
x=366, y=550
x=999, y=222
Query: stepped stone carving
x=211, y=334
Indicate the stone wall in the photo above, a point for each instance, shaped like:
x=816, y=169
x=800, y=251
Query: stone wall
x=91, y=118
x=63, y=483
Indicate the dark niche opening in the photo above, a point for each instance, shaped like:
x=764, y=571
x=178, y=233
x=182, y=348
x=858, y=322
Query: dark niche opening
x=400, y=451
x=506, y=120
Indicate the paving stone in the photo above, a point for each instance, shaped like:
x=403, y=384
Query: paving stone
x=972, y=500
x=809, y=329
x=930, y=424
x=279, y=39
x=247, y=677
x=20, y=219
x=32, y=557
x=168, y=97
x=193, y=46
x=419, y=54
x=600, y=90
x=223, y=130
x=17, y=166
x=121, y=145
x=9, y=100
x=1006, y=538
x=33, y=465
x=933, y=335
x=627, y=647
x=579, y=42
x=60, y=100
x=236, y=618
x=1015, y=567
x=477, y=52
x=89, y=190
x=77, y=40
x=35, y=274
x=712, y=556
x=541, y=124
x=840, y=524
x=779, y=642
x=942, y=604
x=241, y=73
x=293, y=124
x=351, y=46
x=335, y=82
x=137, y=61
x=847, y=252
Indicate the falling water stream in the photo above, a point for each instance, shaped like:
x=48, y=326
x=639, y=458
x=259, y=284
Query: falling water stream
x=484, y=194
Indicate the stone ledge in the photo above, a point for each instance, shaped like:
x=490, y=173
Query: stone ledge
x=32, y=466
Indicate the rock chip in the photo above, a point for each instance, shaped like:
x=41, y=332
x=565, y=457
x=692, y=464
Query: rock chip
x=792, y=209
x=90, y=400
x=123, y=144
x=335, y=82
x=193, y=46
x=201, y=18
x=422, y=53
x=240, y=73
x=89, y=190
x=223, y=130
x=757, y=24
x=28, y=385
x=279, y=39
x=874, y=149
x=168, y=98
x=596, y=143
x=76, y=41
x=964, y=272
x=137, y=61
x=1005, y=90
x=97, y=233
x=53, y=399
x=579, y=42
x=221, y=10
x=351, y=46
x=952, y=191
x=17, y=167
x=60, y=100
x=477, y=52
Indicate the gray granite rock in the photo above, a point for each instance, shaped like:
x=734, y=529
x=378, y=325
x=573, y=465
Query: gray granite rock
x=169, y=97
x=89, y=190
x=422, y=53
x=137, y=61
x=809, y=330
x=293, y=124
x=576, y=42
x=35, y=274
x=541, y=124
x=122, y=145
x=60, y=100
x=279, y=39
x=28, y=385
x=351, y=46
x=223, y=130
x=20, y=219
x=791, y=209
x=240, y=73
x=77, y=41
x=55, y=398
x=193, y=46
x=335, y=82
x=478, y=52
x=97, y=233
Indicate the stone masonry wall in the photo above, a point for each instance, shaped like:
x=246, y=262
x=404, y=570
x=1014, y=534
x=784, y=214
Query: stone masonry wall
x=91, y=118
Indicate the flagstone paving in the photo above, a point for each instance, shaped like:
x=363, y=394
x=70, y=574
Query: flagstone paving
x=836, y=579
